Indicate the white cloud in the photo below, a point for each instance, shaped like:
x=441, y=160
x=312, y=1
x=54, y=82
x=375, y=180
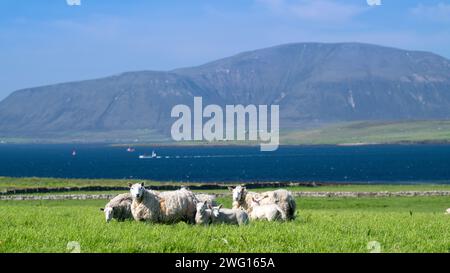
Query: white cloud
x=315, y=10
x=73, y=2
x=438, y=12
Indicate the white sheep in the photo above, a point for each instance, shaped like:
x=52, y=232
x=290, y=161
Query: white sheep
x=204, y=214
x=229, y=216
x=201, y=197
x=163, y=207
x=209, y=198
x=270, y=212
x=447, y=211
x=119, y=208
x=283, y=198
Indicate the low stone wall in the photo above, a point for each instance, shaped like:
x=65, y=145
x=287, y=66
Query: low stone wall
x=168, y=187
x=57, y=197
x=296, y=194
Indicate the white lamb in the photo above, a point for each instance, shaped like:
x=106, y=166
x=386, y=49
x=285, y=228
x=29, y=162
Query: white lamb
x=229, y=216
x=270, y=212
x=283, y=198
x=163, y=207
x=119, y=208
x=204, y=214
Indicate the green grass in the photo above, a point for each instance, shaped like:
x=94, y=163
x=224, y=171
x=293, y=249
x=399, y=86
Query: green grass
x=7, y=183
x=38, y=182
x=371, y=132
x=403, y=224
x=338, y=133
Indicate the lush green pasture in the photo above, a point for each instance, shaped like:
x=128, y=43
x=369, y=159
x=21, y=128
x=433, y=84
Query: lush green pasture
x=371, y=132
x=403, y=224
x=37, y=182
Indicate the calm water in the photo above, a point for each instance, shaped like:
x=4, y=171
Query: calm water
x=387, y=163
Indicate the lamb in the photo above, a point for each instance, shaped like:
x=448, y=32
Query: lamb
x=270, y=212
x=118, y=208
x=204, y=213
x=283, y=198
x=162, y=207
x=229, y=216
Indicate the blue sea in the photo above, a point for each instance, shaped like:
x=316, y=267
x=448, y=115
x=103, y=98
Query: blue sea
x=357, y=164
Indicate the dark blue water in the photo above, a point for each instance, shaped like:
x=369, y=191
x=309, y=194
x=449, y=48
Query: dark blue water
x=375, y=164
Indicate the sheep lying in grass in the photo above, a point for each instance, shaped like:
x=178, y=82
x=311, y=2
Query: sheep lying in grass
x=204, y=214
x=270, y=212
x=163, y=207
x=229, y=216
x=209, y=198
x=283, y=198
x=119, y=208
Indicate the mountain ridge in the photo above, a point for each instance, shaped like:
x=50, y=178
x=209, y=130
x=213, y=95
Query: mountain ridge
x=314, y=83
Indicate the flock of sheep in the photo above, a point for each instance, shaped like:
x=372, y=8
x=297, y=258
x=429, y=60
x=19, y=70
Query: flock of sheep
x=141, y=204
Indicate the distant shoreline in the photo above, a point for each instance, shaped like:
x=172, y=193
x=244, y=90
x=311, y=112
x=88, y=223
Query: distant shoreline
x=349, y=144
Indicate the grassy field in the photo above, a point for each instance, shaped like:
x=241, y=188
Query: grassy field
x=372, y=132
x=414, y=131
x=400, y=224
x=7, y=183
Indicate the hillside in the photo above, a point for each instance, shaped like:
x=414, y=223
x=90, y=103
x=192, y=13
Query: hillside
x=314, y=84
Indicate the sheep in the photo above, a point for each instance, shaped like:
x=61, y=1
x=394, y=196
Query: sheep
x=447, y=211
x=203, y=215
x=270, y=212
x=201, y=197
x=283, y=198
x=209, y=198
x=119, y=208
x=163, y=207
x=229, y=216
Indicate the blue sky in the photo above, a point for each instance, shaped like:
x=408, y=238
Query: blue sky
x=47, y=41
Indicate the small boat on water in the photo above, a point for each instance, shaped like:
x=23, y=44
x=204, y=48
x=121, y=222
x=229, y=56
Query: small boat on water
x=74, y=152
x=130, y=149
x=144, y=156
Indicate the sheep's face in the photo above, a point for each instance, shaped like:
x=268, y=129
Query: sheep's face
x=109, y=213
x=201, y=207
x=137, y=190
x=238, y=193
x=216, y=211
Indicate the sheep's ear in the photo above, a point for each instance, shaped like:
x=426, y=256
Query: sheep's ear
x=129, y=185
x=142, y=184
x=231, y=188
x=209, y=206
x=206, y=202
x=220, y=206
x=102, y=209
